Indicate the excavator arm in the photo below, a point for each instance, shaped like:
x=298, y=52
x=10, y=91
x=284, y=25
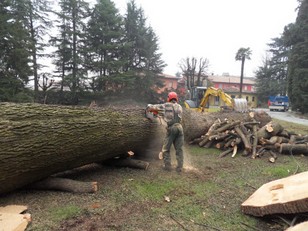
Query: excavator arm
x=234, y=104
x=215, y=92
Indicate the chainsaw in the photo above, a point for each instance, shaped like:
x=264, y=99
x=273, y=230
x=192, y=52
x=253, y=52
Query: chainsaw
x=151, y=113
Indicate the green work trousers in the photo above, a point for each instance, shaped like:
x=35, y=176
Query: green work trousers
x=175, y=136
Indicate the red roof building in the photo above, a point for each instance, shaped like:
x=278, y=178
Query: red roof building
x=231, y=85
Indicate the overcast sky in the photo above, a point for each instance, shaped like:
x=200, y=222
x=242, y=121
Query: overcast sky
x=215, y=29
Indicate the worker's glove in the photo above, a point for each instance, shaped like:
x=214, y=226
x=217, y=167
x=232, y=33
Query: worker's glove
x=149, y=113
x=148, y=107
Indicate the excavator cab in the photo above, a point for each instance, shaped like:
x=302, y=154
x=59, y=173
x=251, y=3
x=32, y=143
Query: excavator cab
x=196, y=98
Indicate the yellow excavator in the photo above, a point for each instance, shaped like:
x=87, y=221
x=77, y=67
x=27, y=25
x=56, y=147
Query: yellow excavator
x=201, y=97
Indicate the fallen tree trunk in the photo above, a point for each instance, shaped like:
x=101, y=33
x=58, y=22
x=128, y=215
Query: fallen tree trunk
x=64, y=184
x=127, y=162
x=197, y=124
x=38, y=141
x=284, y=196
x=294, y=148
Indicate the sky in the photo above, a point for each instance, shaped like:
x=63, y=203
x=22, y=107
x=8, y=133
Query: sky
x=215, y=29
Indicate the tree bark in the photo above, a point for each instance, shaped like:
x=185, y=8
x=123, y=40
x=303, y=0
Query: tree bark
x=270, y=129
x=38, y=141
x=64, y=184
x=196, y=124
x=294, y=148
x=127, y=162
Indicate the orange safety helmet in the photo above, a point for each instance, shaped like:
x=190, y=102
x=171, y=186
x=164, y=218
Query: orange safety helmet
x=172, y=95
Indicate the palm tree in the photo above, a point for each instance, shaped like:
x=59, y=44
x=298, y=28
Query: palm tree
x=241, y=55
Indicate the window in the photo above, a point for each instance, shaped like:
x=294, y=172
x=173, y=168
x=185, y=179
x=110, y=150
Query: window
x=253, y=99
x=247, y=98
x=216, y=103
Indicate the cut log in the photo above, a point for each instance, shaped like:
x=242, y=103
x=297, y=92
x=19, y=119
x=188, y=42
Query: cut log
x=294, y=148
x=244, y=138
x=234, y=151
x=270, y=129
x=223, y=154
x=204, y=141
x=12, y=219
x=299, y=227
x=208, y=144
x=298, y=139
x=284, y=196
x=127, y=162
x=38, y=141
x=227, y=126
x=255, y=140
x=197, y=124
x=64, y=184
x=217, y=123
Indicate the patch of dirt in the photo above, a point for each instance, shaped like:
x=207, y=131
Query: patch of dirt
x=113, y=220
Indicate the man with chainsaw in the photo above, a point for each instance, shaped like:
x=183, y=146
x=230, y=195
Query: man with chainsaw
x=172, y=115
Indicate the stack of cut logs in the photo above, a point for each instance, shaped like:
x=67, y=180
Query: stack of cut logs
x=252, y=140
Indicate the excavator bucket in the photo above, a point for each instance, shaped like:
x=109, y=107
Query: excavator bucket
x=240, y=105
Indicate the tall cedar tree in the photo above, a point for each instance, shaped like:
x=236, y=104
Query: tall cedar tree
x=265, y=85
x=104, y=41
x=297, y=38
x=271, y=78
x=70, y=45
x=14, y=49
x=144, y=61
x=63, y=54
x=278, y=63
x=38, y=23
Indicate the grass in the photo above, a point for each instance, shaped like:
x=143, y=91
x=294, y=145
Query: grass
x=298, y=129
x=207, y=197
x=62, y=213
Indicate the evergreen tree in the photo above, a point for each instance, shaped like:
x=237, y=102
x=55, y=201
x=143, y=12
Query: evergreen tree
x=104, y=37
x=70, y=45
x=14, y=49
x=143, y=60
x=272, y=76
x=38, y=23
x=297, y=38
x=63, y=54
x=143, y=50
x=278, y=65
x=265, y=85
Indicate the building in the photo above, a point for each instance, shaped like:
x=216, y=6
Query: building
x=231, y=85
x=172, y=83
